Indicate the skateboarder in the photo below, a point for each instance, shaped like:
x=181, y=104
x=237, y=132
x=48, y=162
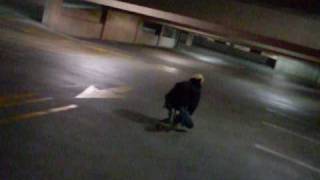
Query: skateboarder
x=182, y=101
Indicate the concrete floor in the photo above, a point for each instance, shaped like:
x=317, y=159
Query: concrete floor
x=249, y=125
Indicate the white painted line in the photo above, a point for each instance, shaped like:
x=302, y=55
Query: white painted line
x=291, y=132
x=279, y=113
x=63, y=108
x=286, y=115
x=282, y=156
x=270, y=110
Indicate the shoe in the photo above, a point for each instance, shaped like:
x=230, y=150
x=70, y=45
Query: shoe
x=175, y=124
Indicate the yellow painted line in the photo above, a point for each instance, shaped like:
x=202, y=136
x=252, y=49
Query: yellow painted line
x=14, y=99
x=122, y=89
x=19, y=96
x=30, y=30
x=39, y=100
x=101, y=49
x=27, y=116
x=112, y=51
x=7, y=18
x=31, y=101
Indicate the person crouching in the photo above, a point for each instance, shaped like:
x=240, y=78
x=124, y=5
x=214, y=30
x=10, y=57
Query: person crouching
x=182, y=101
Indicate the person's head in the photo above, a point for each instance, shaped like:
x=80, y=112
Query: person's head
x=197, y=78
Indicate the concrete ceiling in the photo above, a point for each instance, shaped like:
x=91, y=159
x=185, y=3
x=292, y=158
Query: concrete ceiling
x=299, y=6
x=304, y=6
x=203, y=15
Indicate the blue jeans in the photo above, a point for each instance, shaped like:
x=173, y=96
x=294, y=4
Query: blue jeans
x=184, y=117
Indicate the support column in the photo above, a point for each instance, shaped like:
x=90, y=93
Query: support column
x=178, y=38
x=318, y=82
x=160, y=35
x=52, y=12
x=190, y=38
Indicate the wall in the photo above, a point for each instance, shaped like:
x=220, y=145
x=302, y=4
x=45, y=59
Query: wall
x=146, y=38
x=237, y=52
x=83, y=23
x=126, y=27
x=167, y=42
x=121, y=26
x=98, y=23
x=301, y=70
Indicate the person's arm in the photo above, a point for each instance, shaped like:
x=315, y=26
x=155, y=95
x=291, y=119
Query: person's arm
x=170, y=95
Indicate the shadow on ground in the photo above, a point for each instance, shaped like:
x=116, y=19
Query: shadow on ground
x=148, y=122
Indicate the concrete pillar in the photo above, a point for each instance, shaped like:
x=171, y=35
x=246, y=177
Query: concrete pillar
x=318, y=78
x=190, y=38
x=178, y=38
x=160, y=35
x=52, y=12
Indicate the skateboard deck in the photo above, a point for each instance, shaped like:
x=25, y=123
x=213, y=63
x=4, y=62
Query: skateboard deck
x=160, y=126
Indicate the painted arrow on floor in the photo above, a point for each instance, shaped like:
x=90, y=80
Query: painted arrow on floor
x=111, y=93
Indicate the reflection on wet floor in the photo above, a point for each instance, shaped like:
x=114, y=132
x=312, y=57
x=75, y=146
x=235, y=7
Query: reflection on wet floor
x=110, y=93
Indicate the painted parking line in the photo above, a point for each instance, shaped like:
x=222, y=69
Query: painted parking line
x=29, y=30
x=6, y=99
x=29, y=101
x=12, y=99
x=287, y=158
x=280, y=113
x=168, y=69
x=37, y=114
x=291, y=132
x=285, y=115
x=109, y=50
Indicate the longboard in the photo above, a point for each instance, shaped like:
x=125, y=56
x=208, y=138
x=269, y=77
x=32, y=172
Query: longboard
x=160, y=126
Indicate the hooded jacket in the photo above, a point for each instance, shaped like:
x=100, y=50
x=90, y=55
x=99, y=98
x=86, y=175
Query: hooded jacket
x=184, y=95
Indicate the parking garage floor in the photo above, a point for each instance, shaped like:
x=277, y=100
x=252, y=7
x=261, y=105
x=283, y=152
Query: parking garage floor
x=71, y=109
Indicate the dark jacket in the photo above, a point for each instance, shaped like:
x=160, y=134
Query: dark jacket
x=184, y=95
